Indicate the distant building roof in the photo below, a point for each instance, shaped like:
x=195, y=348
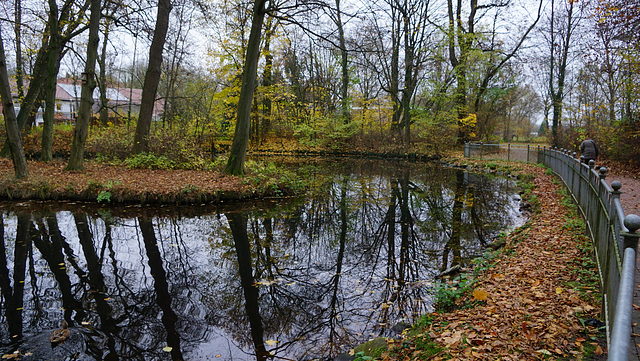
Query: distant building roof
x=74, y=92
x=136, y=99
x=134, y=94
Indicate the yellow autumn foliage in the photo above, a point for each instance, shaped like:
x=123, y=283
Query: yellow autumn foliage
x=468, y=125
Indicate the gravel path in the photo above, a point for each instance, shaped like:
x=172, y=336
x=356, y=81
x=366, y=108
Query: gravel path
x=630, y=200
x=630, y=197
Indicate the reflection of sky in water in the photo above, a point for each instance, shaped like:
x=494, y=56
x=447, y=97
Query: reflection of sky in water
x=388, y=237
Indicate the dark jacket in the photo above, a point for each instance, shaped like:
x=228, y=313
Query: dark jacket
x=589, y=149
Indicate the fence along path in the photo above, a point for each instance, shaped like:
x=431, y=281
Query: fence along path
x=613, y=233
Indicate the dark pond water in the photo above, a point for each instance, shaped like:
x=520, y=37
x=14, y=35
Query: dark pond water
x=300, y=279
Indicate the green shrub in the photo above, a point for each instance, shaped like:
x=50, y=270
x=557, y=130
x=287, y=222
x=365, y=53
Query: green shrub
x=104, y=196
x=273, y=179
x=180, y=148
x=174, y=149
x=149, y=161
x=61, y=146
x=109, y=143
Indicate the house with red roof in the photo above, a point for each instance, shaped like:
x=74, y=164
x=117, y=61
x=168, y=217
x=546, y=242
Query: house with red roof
x=122, y=102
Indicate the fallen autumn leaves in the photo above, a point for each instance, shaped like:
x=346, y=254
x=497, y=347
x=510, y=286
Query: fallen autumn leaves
x=49, y=181
x=532, y=300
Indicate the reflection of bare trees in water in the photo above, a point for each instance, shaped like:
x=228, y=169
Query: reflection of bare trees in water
x=169, y=317
x=397, y=236
x=455, y=224
x=51, y=244
x=402, y=238
x=238, y=225
x=87, y=299
x=13, y=294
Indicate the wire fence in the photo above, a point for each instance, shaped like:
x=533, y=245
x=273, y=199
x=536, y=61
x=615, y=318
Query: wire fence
x=510, y=152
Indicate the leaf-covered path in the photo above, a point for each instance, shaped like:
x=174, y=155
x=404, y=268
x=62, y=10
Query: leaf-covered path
x=528, y=306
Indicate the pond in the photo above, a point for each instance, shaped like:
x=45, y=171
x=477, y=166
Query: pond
x=297, y=278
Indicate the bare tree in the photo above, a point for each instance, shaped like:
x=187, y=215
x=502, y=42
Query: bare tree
x=68, y=20
x=110, y=10
x=561, y=29
x=400, y=43
x=464, y=39
x=62, y=25
x=336, y=17
x=152, y=78
x=17, y=28
x=177, y=50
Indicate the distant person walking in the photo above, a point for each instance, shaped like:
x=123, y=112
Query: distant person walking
x=589, y=150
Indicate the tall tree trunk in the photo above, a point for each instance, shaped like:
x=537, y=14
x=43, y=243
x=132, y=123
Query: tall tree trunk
x=33, y=96
x=407, y=91
x=86, y=98
x=152, y=78
x=238, y=154
x=18, y=33
x=395, y=71
x=344, y=64
x=184, y=26
x=102, y=83
x=55, y=47
x=267, y=79
x=53, y=67
x=14, y=140
x=133, y=69
x=611, y=87
x=171, y=76
x=459, y=64
x=557, y=94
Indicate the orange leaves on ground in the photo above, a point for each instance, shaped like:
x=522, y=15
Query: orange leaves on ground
x=480, y=294
x=450, y=339
x=499, y=277
x=599, y=350
x=128, y=184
